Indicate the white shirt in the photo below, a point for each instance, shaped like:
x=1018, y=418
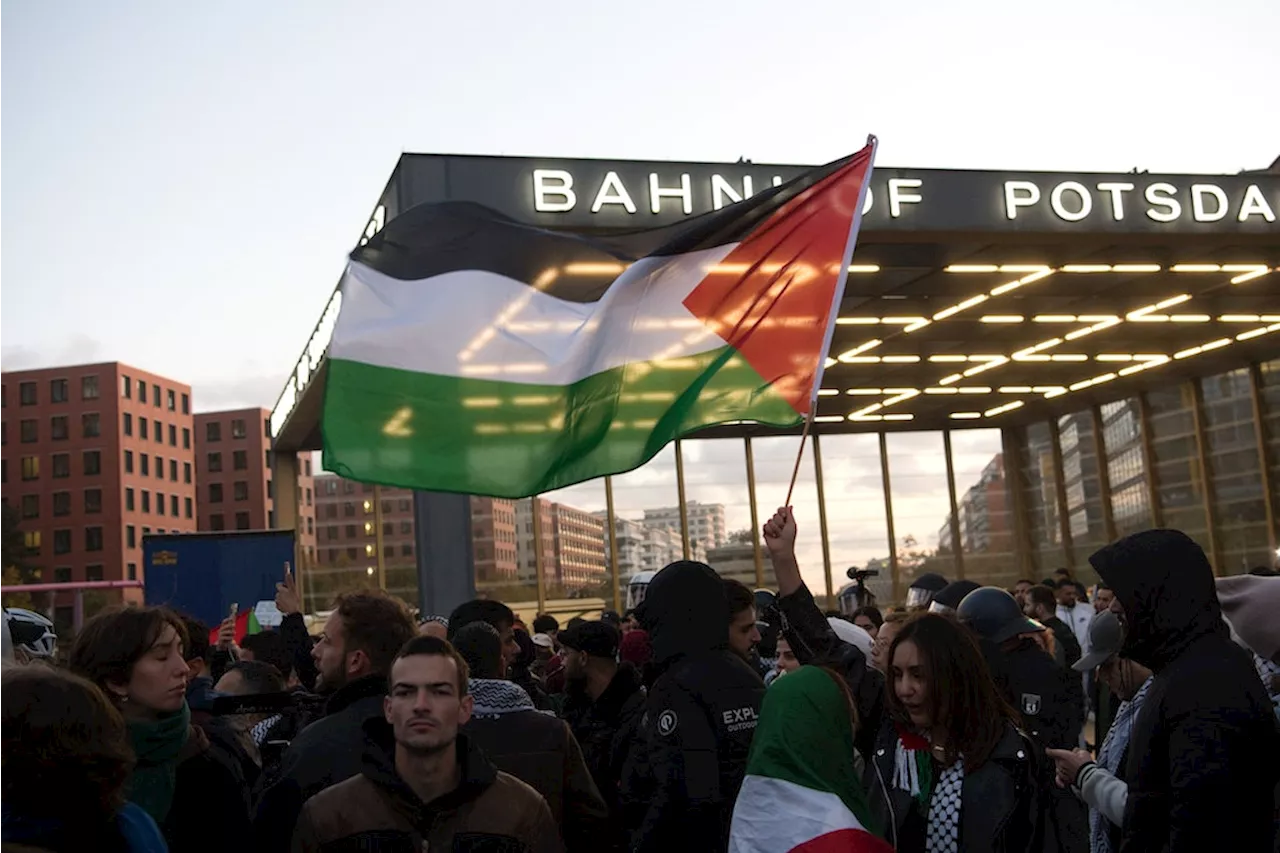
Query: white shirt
x=1078, y=618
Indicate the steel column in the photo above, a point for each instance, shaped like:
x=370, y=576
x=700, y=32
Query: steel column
x=1014, y=449
x=1149, y=462
x=1264, y=457
x=757, y=549
x=822, y=522
x=535, y=510
x=612, y=521
x=1205, y=471
x=957, y=547
x=443, y=544
x=888, y=520
x=1060, y=489
x=377, y=537
x=1104, y=474
x=684, y=507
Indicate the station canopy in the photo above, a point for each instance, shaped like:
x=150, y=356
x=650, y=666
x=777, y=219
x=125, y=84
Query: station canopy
x=974, y=298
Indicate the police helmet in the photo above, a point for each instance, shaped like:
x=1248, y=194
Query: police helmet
x=923, y=589
x=994, y=615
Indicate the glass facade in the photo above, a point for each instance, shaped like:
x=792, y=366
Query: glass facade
x=989, y=505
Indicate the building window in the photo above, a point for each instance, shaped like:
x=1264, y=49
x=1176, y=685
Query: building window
x=93, y=538
x=89, y=387
x=130, y=536
x=271, y=519
x=61, y=503
x=214, y=462
x=311, y=525
x=186, y=439
x=30, y=506
x=31, y=543
x=146, y=501
x=349, y=509
x=216, y=522
x=215, y=493
x=388, y=528
x=405, y=505
x=213, y=431
x=27, y=394
x=172, y=399
x=155, y=394
x=62, y=574
x=159, y=503
x=186, y=507
x=159, y=431
x=406, y=527
x=128, y=424
x=93, y=573
x=350, y=531
x=61, y=466
x=173, y=436
x=142, y=391
x=30, y=431
x=128, y=461
x=159, y=467
x=132, y=570
x=62, y=541
x=91, y=425
x=186, y=472
x=31, y=467
x=59, y=390
x=241, y=490
x=240, y=460
x=271, y=489
x=237, y=428
x=186, y=404
x=173, y=505
x=93, y=500
x=331, y=511
x=173, y=470
x=92, y=463
x=306, y=463
x=144, y=464
x=128, y=499
x=143, y=429
x=126, y=387
x=242, y=521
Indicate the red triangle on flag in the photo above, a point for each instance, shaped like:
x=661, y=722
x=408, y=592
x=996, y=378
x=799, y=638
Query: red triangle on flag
x=772, y=298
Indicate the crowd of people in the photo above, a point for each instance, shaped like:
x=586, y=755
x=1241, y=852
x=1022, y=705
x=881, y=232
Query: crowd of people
x=960, y=722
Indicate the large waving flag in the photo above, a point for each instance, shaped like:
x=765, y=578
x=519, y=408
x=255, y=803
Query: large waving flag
x=473, y=353
x=802, y=793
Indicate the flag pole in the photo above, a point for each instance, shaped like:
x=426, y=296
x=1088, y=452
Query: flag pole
x=854, y=226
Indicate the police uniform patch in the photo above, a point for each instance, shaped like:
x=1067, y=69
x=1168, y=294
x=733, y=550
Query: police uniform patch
x=1031, y=704
x=667, y=722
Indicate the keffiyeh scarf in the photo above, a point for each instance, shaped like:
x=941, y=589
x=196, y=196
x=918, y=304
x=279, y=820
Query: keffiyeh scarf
x=1111, y=753
x=495, y=697
x=913, y=773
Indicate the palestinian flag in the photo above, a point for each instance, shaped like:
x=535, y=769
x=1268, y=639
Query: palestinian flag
x=246, y=623
x=473, y=353
x=802, y=793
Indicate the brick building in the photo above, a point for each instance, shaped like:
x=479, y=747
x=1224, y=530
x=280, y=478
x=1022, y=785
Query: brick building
x=347, y=540
x=494, y=544
x=233, y=476
x=95, y=457
x=573, y=543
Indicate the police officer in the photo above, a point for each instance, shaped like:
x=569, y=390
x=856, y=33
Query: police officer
x=690, y=756
x=922, y=590
x=1048, y=696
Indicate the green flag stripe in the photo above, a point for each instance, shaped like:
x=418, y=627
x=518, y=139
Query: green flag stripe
x=505, y=439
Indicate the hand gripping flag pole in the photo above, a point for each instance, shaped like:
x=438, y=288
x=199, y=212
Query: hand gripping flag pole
x=838, y=297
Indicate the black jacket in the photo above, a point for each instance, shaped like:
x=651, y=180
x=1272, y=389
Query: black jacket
x=813, y=642
x=604, y=728
x=326, y=752
x=998, y=803
x=1204, y=754
x=690, y=755
x=1049, y=697
x=209, y=783
x=1065, y=638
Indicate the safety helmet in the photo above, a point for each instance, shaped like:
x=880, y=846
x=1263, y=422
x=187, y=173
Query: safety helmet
x=951, y=595
x=994, y=614
x=923, y=589
x=30, y=632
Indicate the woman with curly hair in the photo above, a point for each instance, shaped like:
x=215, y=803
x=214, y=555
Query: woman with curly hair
x=66, y=761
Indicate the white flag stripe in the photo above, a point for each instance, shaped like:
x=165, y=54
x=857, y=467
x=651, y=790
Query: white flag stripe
x=479, y=324
x=773, y=816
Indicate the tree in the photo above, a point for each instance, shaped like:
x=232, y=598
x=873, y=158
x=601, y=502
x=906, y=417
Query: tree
x=17, y=569
x=742, y=537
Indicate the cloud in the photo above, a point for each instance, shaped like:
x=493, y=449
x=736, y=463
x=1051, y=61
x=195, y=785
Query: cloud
x=78, y=349
x=244, y=391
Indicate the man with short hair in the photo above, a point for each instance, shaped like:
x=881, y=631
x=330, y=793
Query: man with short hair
x=531, y=745
x=603, y=705
x=1019, y=591
x=1074, y=612
x=494, y=613
x=743, y=632
x=1103, y=595
x=424, y=785
x=361, y=638
x=1041, y=604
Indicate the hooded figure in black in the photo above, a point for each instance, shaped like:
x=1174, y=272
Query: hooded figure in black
x=1204, y=754
x=690, y=756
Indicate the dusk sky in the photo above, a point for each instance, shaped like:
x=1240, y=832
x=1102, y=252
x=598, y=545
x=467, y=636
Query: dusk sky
x=181, y=183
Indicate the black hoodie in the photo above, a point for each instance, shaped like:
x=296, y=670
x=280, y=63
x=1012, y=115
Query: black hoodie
x=691, y=754
x=1204, y=754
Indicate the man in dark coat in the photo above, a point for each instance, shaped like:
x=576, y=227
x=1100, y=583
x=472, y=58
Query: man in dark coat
x=690, y=757
x=1204, y=754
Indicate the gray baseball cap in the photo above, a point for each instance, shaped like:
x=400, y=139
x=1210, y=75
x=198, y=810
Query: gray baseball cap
x=1106, y=636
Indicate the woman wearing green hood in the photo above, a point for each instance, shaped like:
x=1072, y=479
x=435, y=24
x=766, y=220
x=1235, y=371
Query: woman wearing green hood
x=192, y=790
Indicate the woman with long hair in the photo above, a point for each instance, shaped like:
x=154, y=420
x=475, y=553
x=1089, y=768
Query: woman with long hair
x=951, y=772
x=66, y=761
x=194, y=790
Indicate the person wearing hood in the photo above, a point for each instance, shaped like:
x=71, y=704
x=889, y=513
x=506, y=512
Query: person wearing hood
x=1250, y=604
x=812, y=638
x=423, y=784
x=1204, y=753
x=690, y=755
